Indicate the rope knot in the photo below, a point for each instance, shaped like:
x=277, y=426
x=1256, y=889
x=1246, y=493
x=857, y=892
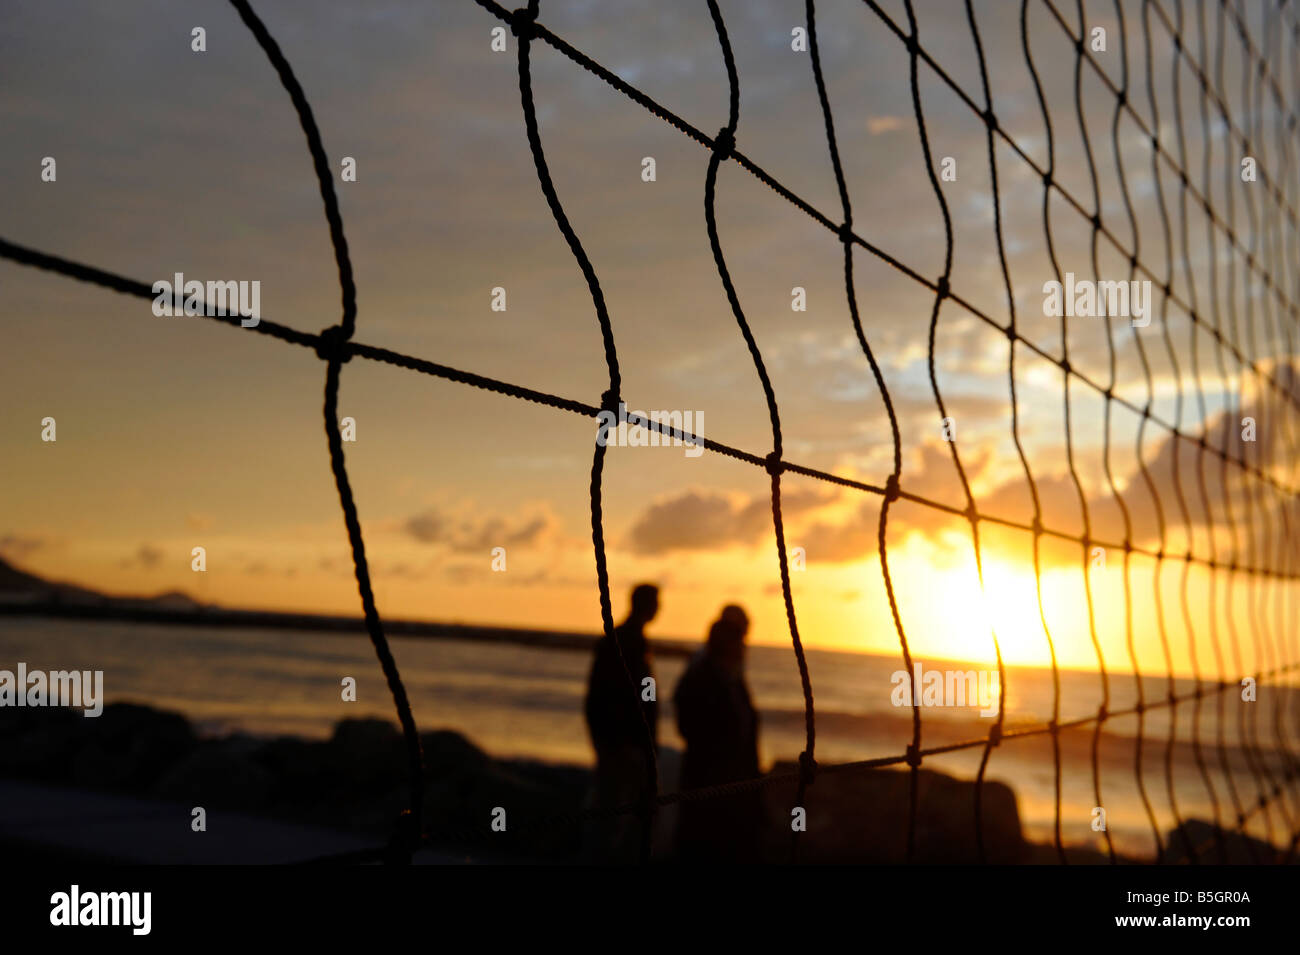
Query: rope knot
x=846, y=231
x=332, y=344
x=1102, y=714
x=772, y=463
x=724, y=144
x=891, y=488
x=610, y=401
x=913, y=756
x=523, y=22
x=807, y=768
x=995, y=735
x=941, y=287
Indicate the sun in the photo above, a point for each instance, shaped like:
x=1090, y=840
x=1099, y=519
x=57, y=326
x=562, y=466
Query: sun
x=963, y=623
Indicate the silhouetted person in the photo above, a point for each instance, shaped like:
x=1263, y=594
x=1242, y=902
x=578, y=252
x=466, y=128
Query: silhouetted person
x=624, y=728
x=717, y=719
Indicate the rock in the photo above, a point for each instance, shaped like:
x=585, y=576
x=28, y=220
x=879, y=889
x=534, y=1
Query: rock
x=124, y=748
x=40, y=743
x=1205, y=840
x=129, y=746
x=218, y=775
x=372, y=752
x=302, y=766
x=446, y=751
x=861, y=817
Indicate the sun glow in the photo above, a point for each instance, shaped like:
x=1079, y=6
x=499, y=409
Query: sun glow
x=1006, y=606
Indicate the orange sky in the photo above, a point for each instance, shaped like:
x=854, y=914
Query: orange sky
x=174, y=434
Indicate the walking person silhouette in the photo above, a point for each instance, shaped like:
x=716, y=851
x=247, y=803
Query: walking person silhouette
x=717, y=719
x=620, y=708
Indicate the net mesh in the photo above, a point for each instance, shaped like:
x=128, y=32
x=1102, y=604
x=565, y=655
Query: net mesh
x=1246, y=550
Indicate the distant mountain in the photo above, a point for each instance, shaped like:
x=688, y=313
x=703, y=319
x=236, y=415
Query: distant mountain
x=24, y=594
x=21, y=587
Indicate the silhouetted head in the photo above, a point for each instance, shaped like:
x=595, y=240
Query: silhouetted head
x=735, y=616
x=645, y=603
x=727, y=639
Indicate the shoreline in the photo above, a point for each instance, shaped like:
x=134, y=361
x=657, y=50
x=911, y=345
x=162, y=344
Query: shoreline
x=211, y=616
x=265, y=792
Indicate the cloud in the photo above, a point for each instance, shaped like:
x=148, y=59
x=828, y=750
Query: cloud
x=847, y=541
x=697, y=520
x=1173, y=478
x=886, y=124
x=198, y=522
x=713, y=520
x=148, y=556
x=19, y=546
x=475, y=534
x=428, y=528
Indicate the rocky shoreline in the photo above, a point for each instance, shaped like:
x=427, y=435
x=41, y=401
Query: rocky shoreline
x=355, y=782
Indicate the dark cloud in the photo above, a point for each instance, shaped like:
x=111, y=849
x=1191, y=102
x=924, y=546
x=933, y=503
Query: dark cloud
x=473, y=535
x=710, y=520
x=428, y=528
x=697, y=520
x=1180, y=485
x=19, y=546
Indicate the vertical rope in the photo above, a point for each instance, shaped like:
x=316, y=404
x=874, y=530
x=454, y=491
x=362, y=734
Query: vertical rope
x=330, y=348
x=523, y=25
x=724, y=145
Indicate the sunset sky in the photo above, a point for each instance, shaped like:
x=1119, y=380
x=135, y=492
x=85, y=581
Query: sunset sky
x=176, y=432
